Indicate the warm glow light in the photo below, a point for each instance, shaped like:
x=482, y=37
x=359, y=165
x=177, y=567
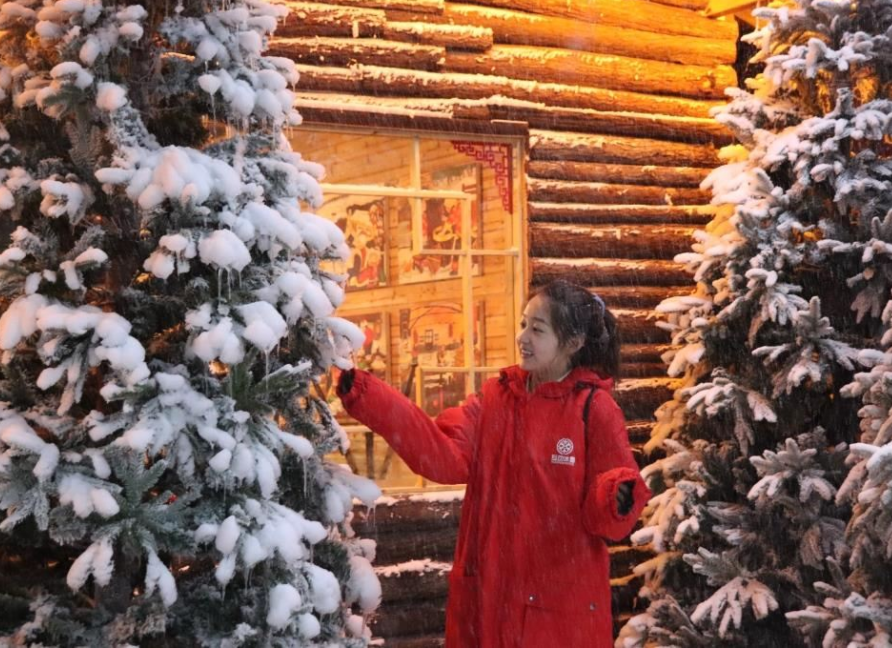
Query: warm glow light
x=218, y=369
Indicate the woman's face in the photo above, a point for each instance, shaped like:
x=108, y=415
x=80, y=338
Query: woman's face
x=541, y=352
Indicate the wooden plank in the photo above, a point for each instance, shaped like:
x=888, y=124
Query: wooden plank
x=595, y=70
x=606, y=272
x=613, y=194
x=523, y=28
x=682, y=129
x=633, y=14
x=478, y=39
x=393, y=81
x=349, y=51
x=583, y=213
x=583, y=147
x=609, y=242
x=618, y=173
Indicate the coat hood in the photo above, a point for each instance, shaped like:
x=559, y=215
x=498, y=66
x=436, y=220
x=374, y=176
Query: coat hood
x=516, y=380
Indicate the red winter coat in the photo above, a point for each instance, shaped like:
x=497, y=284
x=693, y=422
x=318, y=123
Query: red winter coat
x=531, y=568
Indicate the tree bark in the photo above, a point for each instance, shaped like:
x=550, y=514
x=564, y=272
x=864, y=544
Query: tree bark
x=521, y=28
x=618, y=173
x=580, y=147
x=393, y=81
x=613, y=194
x=609, y=242
x=613, y=214
x=349, y=51
x=631, y=14
x=596, y=70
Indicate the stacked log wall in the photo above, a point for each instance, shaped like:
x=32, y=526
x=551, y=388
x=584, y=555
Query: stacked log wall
x=615, y=99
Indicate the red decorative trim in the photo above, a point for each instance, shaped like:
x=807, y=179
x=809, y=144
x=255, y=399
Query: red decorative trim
x=498, y=158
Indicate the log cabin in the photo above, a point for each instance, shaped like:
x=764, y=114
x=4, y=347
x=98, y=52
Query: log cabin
x=475, y=150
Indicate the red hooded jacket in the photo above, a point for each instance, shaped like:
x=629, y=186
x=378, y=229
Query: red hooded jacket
x=531, y=568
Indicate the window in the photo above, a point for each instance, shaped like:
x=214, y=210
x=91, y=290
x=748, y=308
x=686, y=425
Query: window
x=435, y=274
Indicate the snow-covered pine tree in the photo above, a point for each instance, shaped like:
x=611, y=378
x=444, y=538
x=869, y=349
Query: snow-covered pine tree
x=753, y=500
x=855, y=610
x=162, y=479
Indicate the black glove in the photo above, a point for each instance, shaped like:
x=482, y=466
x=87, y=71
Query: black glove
x=345, y=384
x=624, y=499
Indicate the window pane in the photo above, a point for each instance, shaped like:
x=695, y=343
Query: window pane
x=352, y=158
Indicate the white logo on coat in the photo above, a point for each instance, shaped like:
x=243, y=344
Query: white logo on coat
x=565, y=449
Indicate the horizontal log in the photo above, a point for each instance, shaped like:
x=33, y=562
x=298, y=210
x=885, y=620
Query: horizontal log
x=477, y=39
x=614, y=214
x=638, y=296
x=641, y=370
x=414, y=586
x=608, y=272
x=393, y=81
x=406, y=514
x=395, y=548
x=639, y=327
x=609, y=242
x=418, y=641
x=633, y=14
x=643, y=352
x=421, y=6
x=695, y=5
x=582, y=147
x=600, y=193
x=407, y=619
x=349, y=51
x=662, y=176
x=639, y=431
x=317, y=19
x=640, y=398
x=682, y=129
x=596, y=70
x=522, y=28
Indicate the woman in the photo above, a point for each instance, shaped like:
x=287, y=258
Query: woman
x=550, y=475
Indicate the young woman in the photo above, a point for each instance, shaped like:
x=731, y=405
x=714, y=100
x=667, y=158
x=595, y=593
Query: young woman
x=550, y=476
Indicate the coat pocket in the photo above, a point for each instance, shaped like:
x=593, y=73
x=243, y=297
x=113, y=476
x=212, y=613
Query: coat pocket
x=566, y=614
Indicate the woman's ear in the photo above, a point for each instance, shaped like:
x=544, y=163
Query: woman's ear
x=576, y=344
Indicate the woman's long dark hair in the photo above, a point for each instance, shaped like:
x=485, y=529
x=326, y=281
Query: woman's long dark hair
x=575, y=313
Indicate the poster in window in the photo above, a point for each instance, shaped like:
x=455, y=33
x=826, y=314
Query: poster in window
x=440, y=226
x=364, y=223
x=434, y=336
x=373, y=357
